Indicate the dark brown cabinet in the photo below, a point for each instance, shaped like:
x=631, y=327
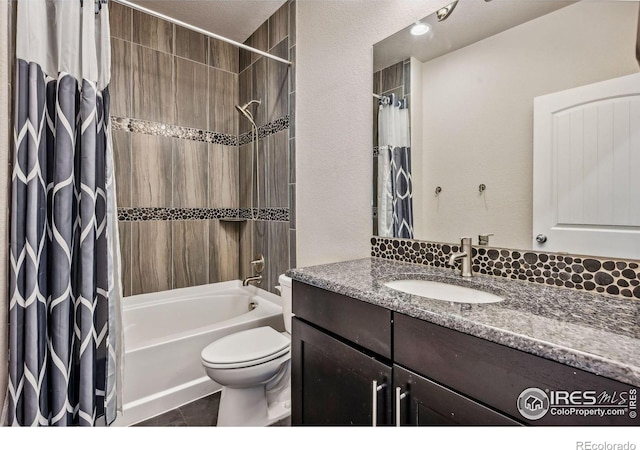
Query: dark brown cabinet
x=335, y=384
x=355, y=363
x=421, y=402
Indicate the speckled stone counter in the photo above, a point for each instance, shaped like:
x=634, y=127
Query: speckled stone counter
x=592, y=332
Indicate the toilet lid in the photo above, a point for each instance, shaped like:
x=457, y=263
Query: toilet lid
x=246, y=346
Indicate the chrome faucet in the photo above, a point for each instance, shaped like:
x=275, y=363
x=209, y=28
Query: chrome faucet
x=258, y=266
x=254, y=279
x=464, y=255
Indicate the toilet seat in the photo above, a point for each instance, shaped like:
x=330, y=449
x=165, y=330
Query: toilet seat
x=245, y=348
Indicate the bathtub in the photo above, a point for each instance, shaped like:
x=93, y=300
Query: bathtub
x=165, y=332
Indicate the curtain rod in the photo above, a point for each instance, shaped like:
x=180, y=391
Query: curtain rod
x=200, y=30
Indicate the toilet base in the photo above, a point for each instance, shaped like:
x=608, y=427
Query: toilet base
x=248, y=407
x=243, y=407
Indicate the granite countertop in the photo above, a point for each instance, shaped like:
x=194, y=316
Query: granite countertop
x=592, y=332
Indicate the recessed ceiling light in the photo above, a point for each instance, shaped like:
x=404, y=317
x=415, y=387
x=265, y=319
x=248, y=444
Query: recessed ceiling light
x=419, y=29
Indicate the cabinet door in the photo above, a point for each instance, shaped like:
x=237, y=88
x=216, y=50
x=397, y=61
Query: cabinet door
x=332, y=382
x=427, y=403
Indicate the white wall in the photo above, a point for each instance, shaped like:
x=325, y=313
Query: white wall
x=478, y=115
x=4, y=190
x=333, y=120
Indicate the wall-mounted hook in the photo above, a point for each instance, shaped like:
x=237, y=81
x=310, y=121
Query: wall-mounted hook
x=482, y=188
x=438, y=190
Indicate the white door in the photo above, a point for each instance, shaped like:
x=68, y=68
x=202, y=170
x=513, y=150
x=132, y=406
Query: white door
x=586, y=169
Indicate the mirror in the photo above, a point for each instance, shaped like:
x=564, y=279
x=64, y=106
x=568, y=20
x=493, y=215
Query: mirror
x=470, y=83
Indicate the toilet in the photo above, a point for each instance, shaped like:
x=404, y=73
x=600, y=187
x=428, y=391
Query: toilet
x=253, y=366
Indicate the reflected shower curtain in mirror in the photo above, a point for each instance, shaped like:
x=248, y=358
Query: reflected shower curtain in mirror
x=395, y=191
x=64, y=312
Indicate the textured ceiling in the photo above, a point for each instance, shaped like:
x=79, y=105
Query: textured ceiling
x=233, y=19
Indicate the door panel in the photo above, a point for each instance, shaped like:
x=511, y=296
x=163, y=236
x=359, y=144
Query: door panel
x=427, y=404
x=586, y=191
x=332, y=381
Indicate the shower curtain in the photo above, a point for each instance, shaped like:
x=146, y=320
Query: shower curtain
x=65, y=294
x=395, y=192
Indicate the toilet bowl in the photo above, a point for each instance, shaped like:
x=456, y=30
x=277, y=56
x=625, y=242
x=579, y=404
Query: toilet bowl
x=253, y=366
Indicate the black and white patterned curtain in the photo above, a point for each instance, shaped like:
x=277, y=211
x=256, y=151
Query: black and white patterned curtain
x=64, y=343
x=395, y=190
x=402, y=192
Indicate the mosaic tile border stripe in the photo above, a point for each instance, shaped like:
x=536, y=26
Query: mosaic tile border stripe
x=272, y=214
x=138, y=214
x=174, y=131
x=274, y=127
x=195, y=134
x=619, y=278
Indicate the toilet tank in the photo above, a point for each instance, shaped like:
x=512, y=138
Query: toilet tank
x=285, y=294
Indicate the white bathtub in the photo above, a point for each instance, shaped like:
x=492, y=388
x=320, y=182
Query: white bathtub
x=166, y=331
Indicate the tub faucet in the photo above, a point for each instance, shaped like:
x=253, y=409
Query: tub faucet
x=464, y=255
x=254, y=279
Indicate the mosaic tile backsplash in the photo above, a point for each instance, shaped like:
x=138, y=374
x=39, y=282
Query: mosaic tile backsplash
x=620, y=278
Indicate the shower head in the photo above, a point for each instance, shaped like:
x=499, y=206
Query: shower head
x=246, y=105
x=244, y=109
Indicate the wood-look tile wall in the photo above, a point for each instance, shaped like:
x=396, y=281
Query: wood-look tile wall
x=168, y=74
x=274, y=84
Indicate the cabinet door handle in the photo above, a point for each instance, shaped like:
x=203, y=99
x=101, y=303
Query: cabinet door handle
x=375, y=388
x=399, y=397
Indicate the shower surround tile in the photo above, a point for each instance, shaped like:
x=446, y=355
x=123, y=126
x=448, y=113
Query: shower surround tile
x=190, y=259
x=392, y=77
x=245, y=95
x=120, y=17
x=124, y=231
x=151, y=164
x=224, y=166
x=191, y=45
x=122, y=166
x=223, y=90
x=259, y=88
x=151, y=261
x=174, y=94
x=190, y=174
x=292, y=24
x=191, y=80
x=278, y=83
x=152, y=32
x=278, y=251
x=223, y=55
x=120, y=85
x=152, y=85
x=278, y=170
x=292, y=160
x=224, y=250
x=619, y=278
x=259, y=40
x=245, y=175
x=278, y=25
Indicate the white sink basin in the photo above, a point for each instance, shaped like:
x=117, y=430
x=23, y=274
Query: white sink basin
x=442, y=291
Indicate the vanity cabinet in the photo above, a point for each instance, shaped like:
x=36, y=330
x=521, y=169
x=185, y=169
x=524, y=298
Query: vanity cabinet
x=356, y=363
x=420, y=402
x=334, y=382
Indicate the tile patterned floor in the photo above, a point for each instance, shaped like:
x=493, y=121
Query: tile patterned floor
x=201, y=413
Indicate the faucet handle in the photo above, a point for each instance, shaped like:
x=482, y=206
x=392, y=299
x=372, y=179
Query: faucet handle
x=483, y=239
x=258, y=263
